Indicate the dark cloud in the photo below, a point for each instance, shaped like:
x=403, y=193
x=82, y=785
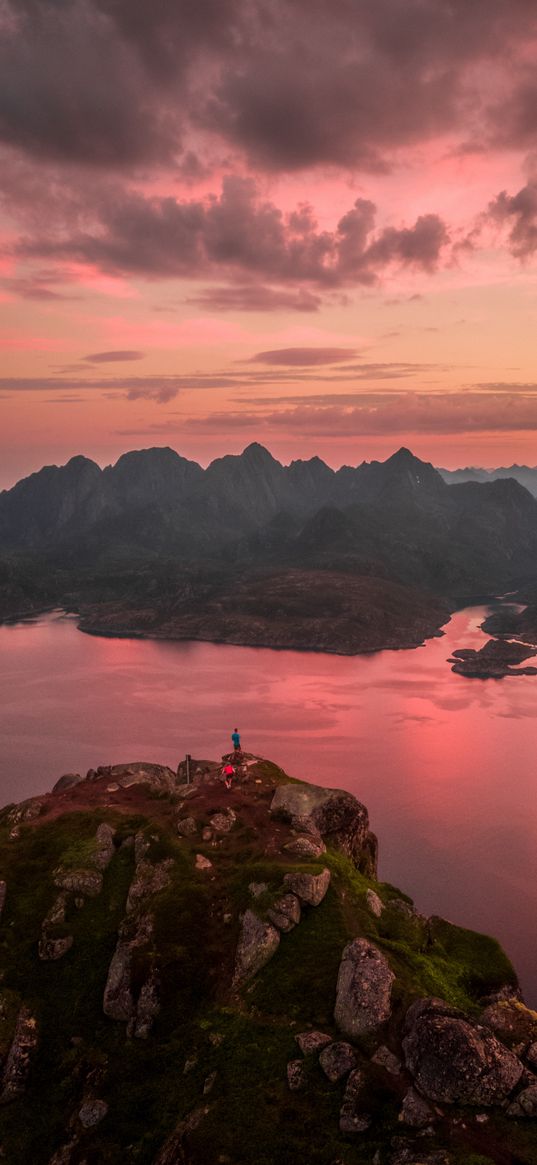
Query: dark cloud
x=112, y=357
x=518, y=213
x=256, y=297
x=124, y=83
x=303, y=356
x=238, y=233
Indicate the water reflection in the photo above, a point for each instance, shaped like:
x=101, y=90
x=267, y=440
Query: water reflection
x=447, y=778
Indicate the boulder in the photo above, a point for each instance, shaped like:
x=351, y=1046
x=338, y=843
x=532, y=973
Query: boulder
x=363, y=990
x=352, y=1118
x=223, y=822
x=149, y=879
x=525, y=1104
x=310, y=888
x=513, y=1023
x=105, y=849
x=158, y=777
x=88, y=883
x=51, y=949
x=337, y=1060
x=92, y=1113
x=386, y=1059
x=454, y=1060
x=415, y=1112
x=296, y=1076
x=374, y=903
x=306, y=846
x=27, y=810
x=147, y=1007
x=310, y=1042
x=203, y=863
x=19, y=1057
x=285, y=912
x=258, y=941
x=187, y=827
x=257, y=889
x=68, y=781
x=341, y=820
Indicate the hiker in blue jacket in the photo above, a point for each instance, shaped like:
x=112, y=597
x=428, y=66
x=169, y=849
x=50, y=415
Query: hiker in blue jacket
x=236, y=740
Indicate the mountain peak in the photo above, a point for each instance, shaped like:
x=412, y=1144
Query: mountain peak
x=258, y=454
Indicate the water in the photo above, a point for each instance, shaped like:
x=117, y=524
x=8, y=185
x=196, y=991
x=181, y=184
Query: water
x=447, y=766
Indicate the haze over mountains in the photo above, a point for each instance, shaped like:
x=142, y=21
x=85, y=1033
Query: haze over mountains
x=156, y=528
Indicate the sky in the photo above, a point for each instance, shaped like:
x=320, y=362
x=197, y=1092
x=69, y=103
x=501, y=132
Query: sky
x=309, y=223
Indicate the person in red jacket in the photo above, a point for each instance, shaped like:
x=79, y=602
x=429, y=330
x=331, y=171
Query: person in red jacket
x=228, y=774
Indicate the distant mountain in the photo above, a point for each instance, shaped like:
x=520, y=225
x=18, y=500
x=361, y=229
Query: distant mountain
x=524, y=474
x=156, y=529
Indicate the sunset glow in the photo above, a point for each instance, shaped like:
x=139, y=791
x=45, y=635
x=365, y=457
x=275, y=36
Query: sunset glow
x=308, y=225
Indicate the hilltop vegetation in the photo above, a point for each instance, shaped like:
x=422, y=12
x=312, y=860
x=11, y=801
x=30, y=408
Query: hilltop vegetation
x=173, y=990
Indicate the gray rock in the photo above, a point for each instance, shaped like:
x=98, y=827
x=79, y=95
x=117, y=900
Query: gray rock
x=386, y=1059
x=415, y=1112
x=27, y=810
x=223, y=822
x=149, y=879
x=186, y=827
x=203, y=863
x=19, y=1057
x=51, y=949
x=352, y=1118
x=118, y=999
x=105, y=849
x=374, y=903
x=337, y=1060
x=310, y=888
x=531, y=1055
x=310, y=1042
x=158, y=777
x=142, y=845
x=454, y=1060
x=285, y=912
x=363, y=990
x=89, y=883
x=340, y=819
x=92, y=1113
x=525, y=1104
x=305, y=847
x=296, y=1076
x=148, y=1006
x=512, y=1022
x=258, y=941
x=68, y=781
x=258, y=888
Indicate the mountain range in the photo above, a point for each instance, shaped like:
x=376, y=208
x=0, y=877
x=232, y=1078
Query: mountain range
x=157, y=533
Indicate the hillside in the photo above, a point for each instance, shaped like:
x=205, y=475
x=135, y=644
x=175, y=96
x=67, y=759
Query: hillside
x=213, y=977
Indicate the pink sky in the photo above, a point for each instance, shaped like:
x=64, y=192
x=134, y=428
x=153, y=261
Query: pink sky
x=309, y=225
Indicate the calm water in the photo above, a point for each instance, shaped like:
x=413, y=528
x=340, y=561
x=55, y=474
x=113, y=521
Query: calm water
x=446, y=766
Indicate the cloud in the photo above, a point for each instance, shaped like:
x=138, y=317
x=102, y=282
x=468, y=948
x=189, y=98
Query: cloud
x=239, y=233
x=255, y=297
x=112, y=357
x=518, y=213
x=382, y=414
x=303, y=356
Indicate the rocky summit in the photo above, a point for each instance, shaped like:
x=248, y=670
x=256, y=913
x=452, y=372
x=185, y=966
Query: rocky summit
x=196, y=975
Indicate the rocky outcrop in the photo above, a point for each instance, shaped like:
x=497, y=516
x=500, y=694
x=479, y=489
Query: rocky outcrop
x=296, y=1076
x=498, y=658
x=68, y=781
x=86, y=883
x=309, y=888
x=118, y=1000
x=92, y=1112
x=104, y=846
x=363, y=994
x=20, y=1055
x=337, y=1060
x=285, y=912
x=352, y=1117
x=415, y=1111
x=454, y=1060
x=149, y=879
x=187, y=827
x=310, y=1042
x=305, y=847
x=258, y=941
x=332, y=814
x=159, y=777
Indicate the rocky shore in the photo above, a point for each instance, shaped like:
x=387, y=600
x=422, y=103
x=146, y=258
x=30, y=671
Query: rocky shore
x=203, y=976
